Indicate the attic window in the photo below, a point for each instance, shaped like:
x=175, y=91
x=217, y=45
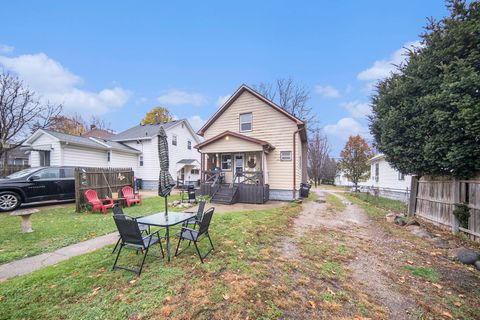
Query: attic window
x=174, y=140
x=246, y=122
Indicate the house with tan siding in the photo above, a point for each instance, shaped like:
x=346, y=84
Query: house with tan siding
x=253, y=151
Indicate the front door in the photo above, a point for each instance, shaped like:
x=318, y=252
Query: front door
x=239, y=165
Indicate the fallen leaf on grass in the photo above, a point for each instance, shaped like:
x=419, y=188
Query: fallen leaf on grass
x=436, y=285
x=95, y=290
x=409, y=261
x=2, y=297
x=166, y=311
x=132, y=281
x=167, y=299
x=461, y=296
x=53, y=286
x=457, y=304
x=311, y=304
x=226, y=297
x=447, y=314
x=331, y=291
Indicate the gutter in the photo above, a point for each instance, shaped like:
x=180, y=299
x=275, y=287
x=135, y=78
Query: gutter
x=295, y=162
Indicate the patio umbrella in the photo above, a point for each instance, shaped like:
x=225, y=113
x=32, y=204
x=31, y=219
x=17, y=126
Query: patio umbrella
x=165, y=180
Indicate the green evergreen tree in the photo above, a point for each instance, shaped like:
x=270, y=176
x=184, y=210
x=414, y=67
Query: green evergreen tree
x=426, y=116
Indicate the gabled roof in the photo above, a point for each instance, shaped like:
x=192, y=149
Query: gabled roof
x=95, y=143
x=264, y=144
x=376, y=157
x=98, y=133
x=234, y=97
x=148, y=131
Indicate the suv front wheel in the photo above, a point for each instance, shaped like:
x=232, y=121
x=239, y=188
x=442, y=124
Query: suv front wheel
x=9, y=201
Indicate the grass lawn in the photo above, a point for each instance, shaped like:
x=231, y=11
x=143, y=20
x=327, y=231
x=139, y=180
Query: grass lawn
x=379, y=202
x=59, y=227
x=231, y=283
x=334, y=203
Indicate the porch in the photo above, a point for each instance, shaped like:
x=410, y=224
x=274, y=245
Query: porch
x=247, y=187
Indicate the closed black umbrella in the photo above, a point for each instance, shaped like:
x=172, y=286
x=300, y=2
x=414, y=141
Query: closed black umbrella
x=165, y=180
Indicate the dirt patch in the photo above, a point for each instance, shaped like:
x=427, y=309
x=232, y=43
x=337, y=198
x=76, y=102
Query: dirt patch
x=367, y=271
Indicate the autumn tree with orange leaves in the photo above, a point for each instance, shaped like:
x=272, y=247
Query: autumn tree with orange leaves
x=354, y=157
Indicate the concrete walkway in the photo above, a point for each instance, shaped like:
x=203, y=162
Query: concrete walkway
x=27, y=265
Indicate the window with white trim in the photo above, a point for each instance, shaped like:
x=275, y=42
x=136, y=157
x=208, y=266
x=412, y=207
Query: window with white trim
x=189, y=145
x=285, y=155
x=246, y=122
x=377, y=171
x=226, y=162
x=140, y=161
x=174, y=140
x=401, y=176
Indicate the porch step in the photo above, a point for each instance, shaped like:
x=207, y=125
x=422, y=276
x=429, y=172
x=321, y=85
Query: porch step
x=225, y=195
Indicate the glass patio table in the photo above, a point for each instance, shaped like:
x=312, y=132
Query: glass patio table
x=166, y=220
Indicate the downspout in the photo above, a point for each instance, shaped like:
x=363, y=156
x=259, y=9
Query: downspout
x=295, y=162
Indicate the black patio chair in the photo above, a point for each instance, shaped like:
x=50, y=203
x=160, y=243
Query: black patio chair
x=196, y=236
x=198, y=218
x=131, y=238
x=118, y=212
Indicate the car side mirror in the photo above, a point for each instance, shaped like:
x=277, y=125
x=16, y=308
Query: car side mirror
x=33, y=178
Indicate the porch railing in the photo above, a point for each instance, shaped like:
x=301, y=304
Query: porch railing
x=249, y=177
x=213, y=176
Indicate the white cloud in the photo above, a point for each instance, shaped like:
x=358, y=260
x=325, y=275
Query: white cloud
x=346, y=127
x=6, y=49
x=196, y=122
x=57, y=84
x=178, y=97
x=327, y=91
x=383, y=68
x=357, y=109
x=222, y=99
x=141, y=100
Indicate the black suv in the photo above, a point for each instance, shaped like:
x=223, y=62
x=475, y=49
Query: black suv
x=35, y=185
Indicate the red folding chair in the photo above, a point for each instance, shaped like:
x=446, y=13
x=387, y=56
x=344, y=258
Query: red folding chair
x=130, y=197
x=97, y=203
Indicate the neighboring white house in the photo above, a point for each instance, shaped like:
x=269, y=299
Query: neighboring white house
x=383, y=179
x=184, y=159
x=134, y=148
x=389, y=182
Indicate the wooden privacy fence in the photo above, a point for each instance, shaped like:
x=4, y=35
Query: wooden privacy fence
x=434, y=198
x=11, y=168
x=103, y=180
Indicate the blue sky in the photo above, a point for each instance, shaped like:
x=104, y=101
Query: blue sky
x=118, y=59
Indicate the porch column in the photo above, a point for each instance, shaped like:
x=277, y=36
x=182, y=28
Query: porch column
x=265, y=167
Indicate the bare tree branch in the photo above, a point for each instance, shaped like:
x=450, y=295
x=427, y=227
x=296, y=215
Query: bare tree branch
x=20, y=112
x=290, y=96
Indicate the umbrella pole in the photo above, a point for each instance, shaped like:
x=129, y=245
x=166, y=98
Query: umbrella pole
x=166, y=205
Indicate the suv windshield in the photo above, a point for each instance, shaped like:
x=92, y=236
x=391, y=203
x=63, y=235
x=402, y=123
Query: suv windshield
x=22, y=173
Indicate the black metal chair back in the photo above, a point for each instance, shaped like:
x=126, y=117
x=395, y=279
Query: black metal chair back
x=129, y=231
x=205, y=223
x=201, y=208
x=118, y=212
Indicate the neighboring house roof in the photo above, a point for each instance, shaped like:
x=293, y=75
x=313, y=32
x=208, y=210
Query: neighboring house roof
x=187, y=161
x=265, y=144
x=148, y=131
x=376, y=157
x=142, y=131
x=98, y=133
x=242, y=89
x=82, y=141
